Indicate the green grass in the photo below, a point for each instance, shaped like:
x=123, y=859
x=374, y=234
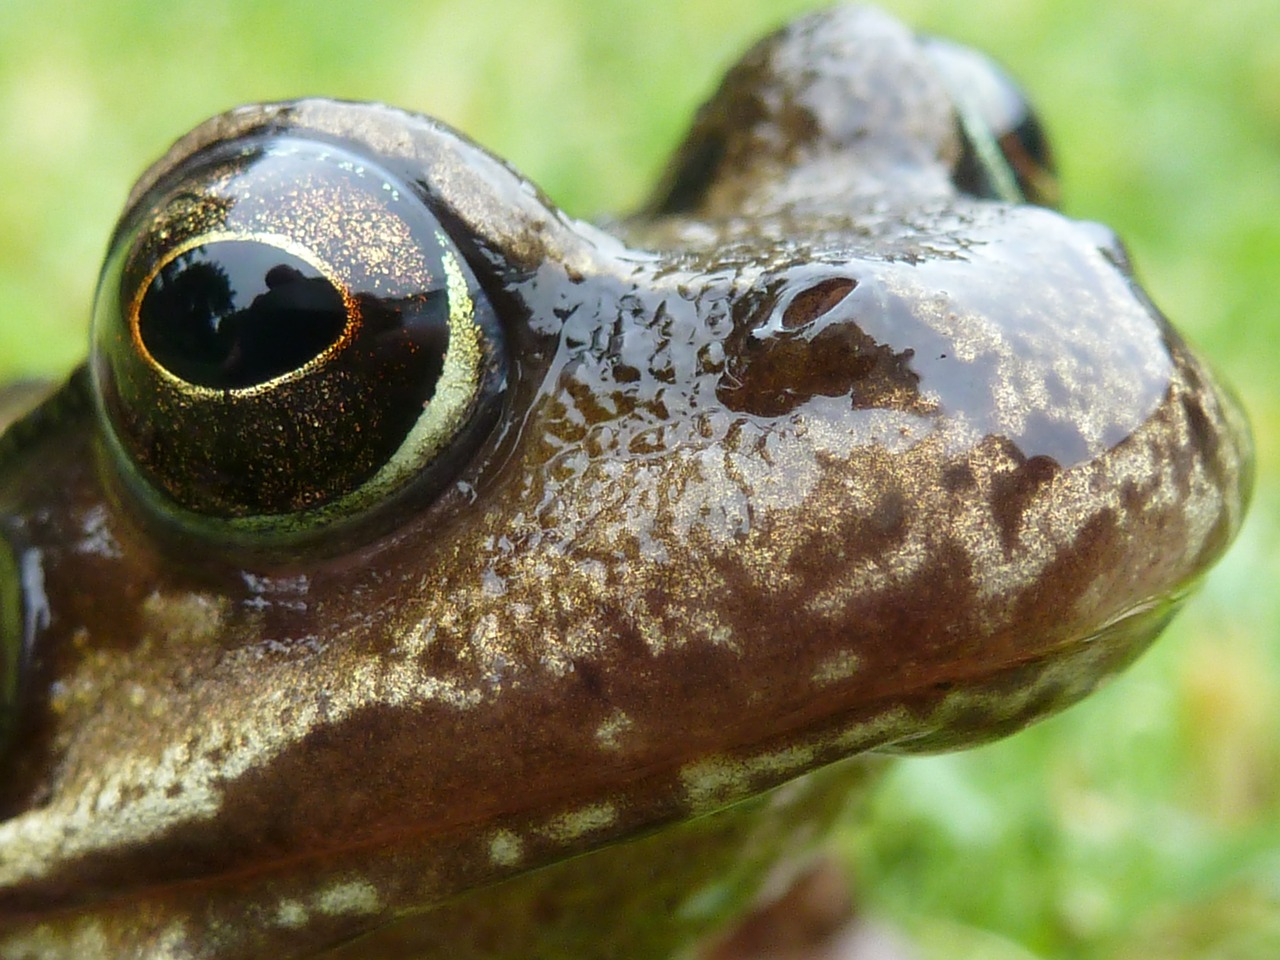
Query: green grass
x=1144, y=824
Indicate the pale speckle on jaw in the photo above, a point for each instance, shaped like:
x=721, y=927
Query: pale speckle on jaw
x=576, y=823
x=341, y=898
x=505, y=849
x=348, y=897
x=712, y=782
x=291, y=914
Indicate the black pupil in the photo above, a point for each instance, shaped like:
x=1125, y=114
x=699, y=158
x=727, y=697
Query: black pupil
x=235, y=313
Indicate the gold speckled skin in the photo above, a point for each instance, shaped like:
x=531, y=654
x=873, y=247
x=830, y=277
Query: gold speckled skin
x=816, y=456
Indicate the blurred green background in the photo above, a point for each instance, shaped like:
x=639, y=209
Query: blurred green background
x=1144, y=824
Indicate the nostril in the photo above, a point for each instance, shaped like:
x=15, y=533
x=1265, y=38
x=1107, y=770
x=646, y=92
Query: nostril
x=1108, y=243
x=803, y=337
x=812, y=302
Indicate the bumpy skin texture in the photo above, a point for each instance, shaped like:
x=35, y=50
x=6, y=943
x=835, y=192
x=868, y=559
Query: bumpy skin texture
x=814, y=457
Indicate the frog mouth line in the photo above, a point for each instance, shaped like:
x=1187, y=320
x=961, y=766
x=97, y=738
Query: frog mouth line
x=996, y=703
x=933, y=718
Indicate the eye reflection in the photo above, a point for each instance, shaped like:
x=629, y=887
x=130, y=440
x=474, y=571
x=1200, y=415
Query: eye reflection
x=235, y=313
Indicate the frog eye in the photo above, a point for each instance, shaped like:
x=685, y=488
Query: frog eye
x=285, y=337
x=1005, y=154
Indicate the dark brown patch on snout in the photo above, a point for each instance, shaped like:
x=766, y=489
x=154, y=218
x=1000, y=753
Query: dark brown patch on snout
x=800, y=339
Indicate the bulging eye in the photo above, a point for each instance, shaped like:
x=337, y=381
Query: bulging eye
x=285, y=337
x=13, y=653
x=1006, y=153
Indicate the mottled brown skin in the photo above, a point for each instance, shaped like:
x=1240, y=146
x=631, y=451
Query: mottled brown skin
x=816, y=456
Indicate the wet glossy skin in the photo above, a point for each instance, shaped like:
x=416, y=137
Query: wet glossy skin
x=815, y=456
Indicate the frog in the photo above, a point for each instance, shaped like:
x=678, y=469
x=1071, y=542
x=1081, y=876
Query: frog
x=416, y=570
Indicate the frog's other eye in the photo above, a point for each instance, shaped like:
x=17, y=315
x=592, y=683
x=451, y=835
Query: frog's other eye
x=285, y=337
x=1006, y=154
x=12, y=647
